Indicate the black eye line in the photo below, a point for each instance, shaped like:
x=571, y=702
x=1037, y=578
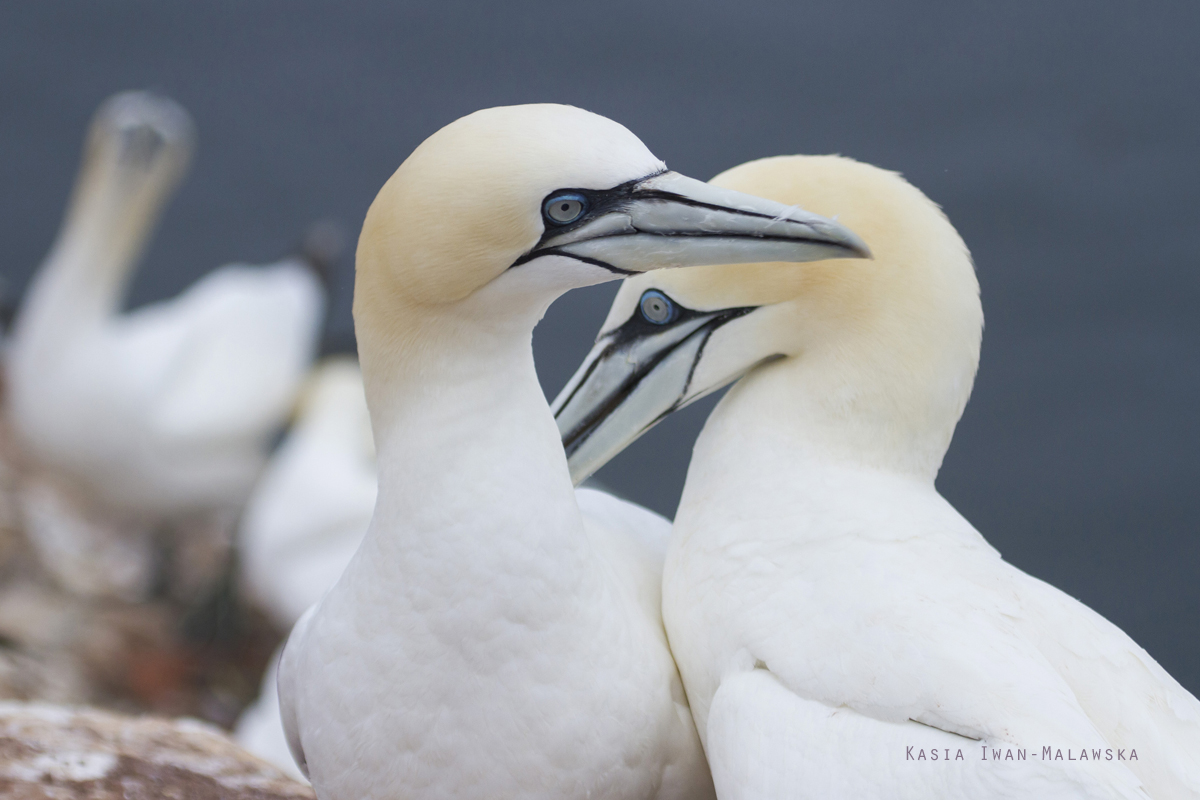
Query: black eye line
x=633, y=328
x=603, y=201
x=621, y=338
x=637, y=326
x=599, y=202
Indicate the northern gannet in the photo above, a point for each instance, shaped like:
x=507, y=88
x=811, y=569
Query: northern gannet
x=485, y=640
x=308, y=515
x=836, y=622
x=162, y=415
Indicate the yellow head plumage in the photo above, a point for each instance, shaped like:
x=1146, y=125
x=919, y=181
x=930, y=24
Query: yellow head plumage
x=466, y=204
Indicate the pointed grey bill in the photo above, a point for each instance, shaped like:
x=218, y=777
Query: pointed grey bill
x=634, y=377
x=668, y=220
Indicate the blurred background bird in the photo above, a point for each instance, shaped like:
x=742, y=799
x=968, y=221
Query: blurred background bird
x=309, y=511
x=132, y=439
x=304, y=521
x=163, y=416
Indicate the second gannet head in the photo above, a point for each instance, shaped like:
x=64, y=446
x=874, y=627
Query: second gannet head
x=878, y=357
x=526, y=202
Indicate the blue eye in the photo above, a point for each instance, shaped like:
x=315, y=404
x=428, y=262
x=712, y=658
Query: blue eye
x=656, y=307
x=563, y=209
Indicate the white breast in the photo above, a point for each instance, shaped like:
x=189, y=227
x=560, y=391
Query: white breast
x=534, y=727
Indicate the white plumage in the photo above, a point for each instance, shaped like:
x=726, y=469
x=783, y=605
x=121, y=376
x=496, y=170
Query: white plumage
x=490, y=639
x=309, y=512
x=824, y=633
x=834, y=619
x=163, y=414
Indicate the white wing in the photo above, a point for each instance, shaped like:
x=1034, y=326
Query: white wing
x=1126, y=694
x=260, y=727
x=924, y=625
x=766, y=742
x=169, y=409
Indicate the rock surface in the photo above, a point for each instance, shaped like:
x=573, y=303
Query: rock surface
x=50, y=752
x=177, y=653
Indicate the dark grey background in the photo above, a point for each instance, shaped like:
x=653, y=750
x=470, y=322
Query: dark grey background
x=1063, y=139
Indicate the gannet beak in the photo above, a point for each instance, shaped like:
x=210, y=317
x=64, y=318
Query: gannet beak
x=635, y=376
x=668, y=220
x=642, y=371
x=145, y=130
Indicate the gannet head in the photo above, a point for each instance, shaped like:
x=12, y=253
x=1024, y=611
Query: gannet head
x=896, y=338
x=545, y=198
x=137, y=150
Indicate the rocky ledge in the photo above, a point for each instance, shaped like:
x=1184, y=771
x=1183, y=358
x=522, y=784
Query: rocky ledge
x=50, y=752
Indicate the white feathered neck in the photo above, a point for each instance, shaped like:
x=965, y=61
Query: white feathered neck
x=451, y=517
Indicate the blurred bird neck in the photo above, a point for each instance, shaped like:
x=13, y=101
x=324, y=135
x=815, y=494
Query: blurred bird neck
x=82, y=281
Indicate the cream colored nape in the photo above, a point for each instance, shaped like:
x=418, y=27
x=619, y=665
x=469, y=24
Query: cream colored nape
x=828, y=610
x=471, y=196
x=885, y=350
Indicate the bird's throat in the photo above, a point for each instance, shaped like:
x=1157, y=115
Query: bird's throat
x=475, y=501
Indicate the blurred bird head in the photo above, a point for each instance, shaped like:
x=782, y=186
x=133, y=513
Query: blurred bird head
x=137, y=150
x=139, y=145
